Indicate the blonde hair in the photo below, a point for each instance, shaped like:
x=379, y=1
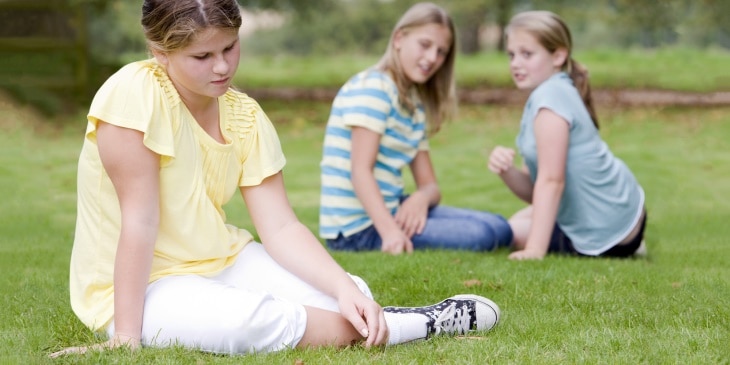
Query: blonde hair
x=552, y=33
x=170, y=25
x=438, y=94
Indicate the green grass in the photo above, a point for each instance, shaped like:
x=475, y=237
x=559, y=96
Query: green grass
x=672, y=307
x=678, y=69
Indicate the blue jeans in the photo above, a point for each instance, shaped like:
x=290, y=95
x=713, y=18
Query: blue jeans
x=446, y=228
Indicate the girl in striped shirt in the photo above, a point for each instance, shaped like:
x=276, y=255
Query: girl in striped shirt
x=379, y=124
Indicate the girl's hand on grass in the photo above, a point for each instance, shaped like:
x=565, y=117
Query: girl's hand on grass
x=118, y=340
x=501, y=159
x=527, y=255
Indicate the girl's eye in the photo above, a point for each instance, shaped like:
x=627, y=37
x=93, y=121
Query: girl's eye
x=201, y=57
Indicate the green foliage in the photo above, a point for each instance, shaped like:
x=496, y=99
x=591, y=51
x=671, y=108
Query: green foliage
x=115, y=32
x=45, y=102
x=648, y=23
x=346, y=26
x=708, y=12
x=673, y=307
x=469, y=17
x=356, y=27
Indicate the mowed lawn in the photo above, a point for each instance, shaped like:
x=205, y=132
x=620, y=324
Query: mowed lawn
x=671, y=307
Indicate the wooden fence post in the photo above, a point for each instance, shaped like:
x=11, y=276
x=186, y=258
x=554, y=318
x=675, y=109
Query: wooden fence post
x=44, y=44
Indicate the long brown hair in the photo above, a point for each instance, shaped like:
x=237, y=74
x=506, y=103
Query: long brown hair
x=553, y=34
x=438, y=94
x=170, y=25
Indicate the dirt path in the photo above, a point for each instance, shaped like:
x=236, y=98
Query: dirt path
x=512, y=96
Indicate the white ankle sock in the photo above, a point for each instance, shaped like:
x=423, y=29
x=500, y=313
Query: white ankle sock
x=405, y=327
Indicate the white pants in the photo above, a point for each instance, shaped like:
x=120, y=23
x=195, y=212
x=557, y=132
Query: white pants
x=253, y=306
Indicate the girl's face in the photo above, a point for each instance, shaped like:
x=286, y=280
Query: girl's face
x=205, y=68
x=422, y=50
x=530, y=62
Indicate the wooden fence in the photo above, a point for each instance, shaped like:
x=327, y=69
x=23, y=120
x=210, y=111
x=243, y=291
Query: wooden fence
x=44, y=45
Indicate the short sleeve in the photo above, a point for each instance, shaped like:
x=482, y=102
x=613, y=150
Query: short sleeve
x=367, y=100
x=140, y=97
x=257, y=140
x=552, y=95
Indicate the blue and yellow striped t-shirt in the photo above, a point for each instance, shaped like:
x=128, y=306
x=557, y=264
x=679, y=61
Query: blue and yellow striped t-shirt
x=369, y=100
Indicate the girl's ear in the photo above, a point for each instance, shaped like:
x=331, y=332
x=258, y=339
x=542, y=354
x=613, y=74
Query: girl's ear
x=397, y=37
x=161, y=57
x=560, y=56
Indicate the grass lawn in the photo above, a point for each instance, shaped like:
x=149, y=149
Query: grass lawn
x=672, y=307
x=690, y=70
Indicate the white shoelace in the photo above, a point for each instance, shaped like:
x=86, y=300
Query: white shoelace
x=453, y=320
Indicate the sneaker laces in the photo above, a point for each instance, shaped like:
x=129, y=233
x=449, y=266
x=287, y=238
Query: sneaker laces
x=452, y=320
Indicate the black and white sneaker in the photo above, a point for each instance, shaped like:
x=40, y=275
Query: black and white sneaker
x=456, y=315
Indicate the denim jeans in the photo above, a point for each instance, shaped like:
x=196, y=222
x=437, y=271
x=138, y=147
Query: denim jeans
x=446, y=228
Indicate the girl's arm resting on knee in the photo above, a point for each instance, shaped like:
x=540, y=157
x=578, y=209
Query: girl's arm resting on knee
x=134, y=171
x=413, y=212
x=295, y=248
x=425, y=178
x=364, y=152
x=552, y=136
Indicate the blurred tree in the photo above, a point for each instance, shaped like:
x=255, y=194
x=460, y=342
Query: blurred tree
x=648, y=22
x=581, y=16
x=305, y=9
x=363, y=26
x=115, y=31
x=358, y=26
x=469, y=18
x=501, y=18
x=712, y=21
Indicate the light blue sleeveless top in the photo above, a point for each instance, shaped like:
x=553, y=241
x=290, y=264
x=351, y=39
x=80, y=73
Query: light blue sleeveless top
x=602, y=200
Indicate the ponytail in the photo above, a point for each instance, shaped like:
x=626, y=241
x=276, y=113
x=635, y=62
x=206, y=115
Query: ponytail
x=579, y=74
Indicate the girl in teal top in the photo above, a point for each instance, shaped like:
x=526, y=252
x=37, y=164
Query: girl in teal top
x=583, y=199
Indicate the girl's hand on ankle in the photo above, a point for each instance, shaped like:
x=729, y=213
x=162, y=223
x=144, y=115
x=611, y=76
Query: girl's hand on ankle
x=367, y=317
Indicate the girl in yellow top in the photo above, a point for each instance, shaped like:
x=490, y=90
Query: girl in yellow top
x=168, y=143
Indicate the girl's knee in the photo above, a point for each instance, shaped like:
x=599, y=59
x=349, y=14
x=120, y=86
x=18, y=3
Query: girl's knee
x=362, y=285
x=496, y=234
x=502, y=232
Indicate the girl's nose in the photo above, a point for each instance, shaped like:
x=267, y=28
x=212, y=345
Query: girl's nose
x=220, y=66
x=432, y=54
